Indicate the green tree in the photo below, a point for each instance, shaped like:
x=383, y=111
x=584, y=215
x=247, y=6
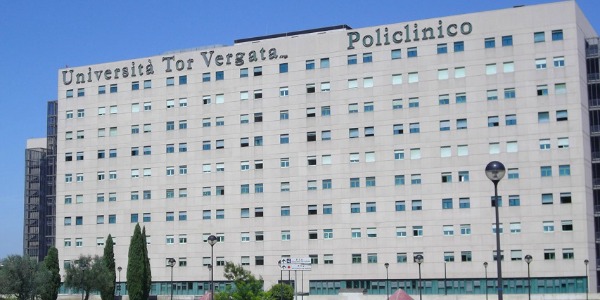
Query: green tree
x=147, y=269
x=135, y=266
x=281, y=291
x=109, y=262
x=51, y=284
x=88, y=274
x=246, y=285
x=20, y=276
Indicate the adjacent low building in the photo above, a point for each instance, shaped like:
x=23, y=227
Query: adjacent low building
x=349, y=147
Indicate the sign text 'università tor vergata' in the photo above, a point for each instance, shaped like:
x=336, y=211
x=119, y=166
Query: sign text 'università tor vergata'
x=379, y=37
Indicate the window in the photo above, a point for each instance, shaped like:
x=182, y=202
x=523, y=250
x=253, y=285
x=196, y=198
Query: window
x=311, y=185
x=310, y=88
x=286, y=235
x=445, y=151
x=514, y=200
x=513, y=173
x=542, y=90
x=559, y=61
x=511, y=120
x=493, y=121
x=147, y=84
x=490, y=42
x=560, y=88
x=448, y=230
x=325, y=86
x=516, y=255
x=548, y=226
x=368, y=82
x=465, y=229
x=564, y=170
x=566, y=225
x=417, y=205
x=413, y=77
x=258, y=141
x=285, y=187
x=352, y=83
x=547, y=199
x=310, y=64
x=459, y=46
x=565, y=198
x=371, y=232
x=283, y=68
x=399, y=154
x=324, y=63
x=415, y=153
x=508, y=67
x=561, y=115
x=413, y=102
x=461, y=98
x=396, y=79
x=285, y=211
x=415, y=179
x=412, y=52
x=283, y=91
x=490, y=69
x=463, y=176
x=539, y=37
x=367, y=57
x=447, y=203
x=352, y=59
x=543, y=117
x=446, y=177
x=557, y=35
x=540, y=63
x=417, y=230
x=243, y=72
x=396, y=54
x=459, y=72
x=370, y=182
x=442, y=74
x=355, y=182
x=563, y=142
x=515, y=228
x=442, y=48
x=464, y=203
x=507, y=40
x=461, y=124
x=113, y=88
x=568, y=253
x=492, y=95
x=549, y=254
x=444, y=99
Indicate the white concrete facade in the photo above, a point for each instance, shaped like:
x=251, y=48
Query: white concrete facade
x=429, y=154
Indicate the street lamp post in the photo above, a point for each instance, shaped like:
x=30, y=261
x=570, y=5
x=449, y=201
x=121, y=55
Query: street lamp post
x=495, y=170
x=485, y=264
x=528, y=259
x=171, y=263
x=387, y=280
x=419, y=260
x=586, y=262
x=212, y=240
x=119, y=286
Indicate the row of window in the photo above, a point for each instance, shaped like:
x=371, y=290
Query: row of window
x=356, y=258
x=548, y=226
x=507, y=40
x=509, y=93
x=311, y=136
x=327, y=209
x=446, y=177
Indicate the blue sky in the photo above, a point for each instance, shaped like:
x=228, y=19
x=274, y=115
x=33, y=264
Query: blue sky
x=39, y=37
